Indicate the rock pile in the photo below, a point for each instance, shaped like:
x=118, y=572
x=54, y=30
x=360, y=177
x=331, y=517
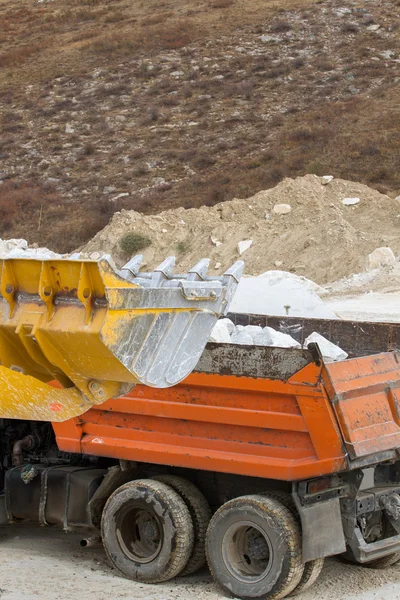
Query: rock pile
x=301, y=226
x=18, y=248
x=226, y=332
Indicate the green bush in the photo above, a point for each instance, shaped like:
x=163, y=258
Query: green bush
x=182, y=247
x=131, y=242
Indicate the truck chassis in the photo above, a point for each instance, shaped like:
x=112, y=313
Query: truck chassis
x=263, y=462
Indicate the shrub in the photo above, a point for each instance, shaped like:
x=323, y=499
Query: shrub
x=221, y=3
x=245, y=88
x=252, y=164
x=152, y=115
x=298, y=62
x=303, y=134
x=131, y=242
x=277, y=121
x=324, y=64
x=281, y=26
x=17, y=56
x=349, y=28
x=315, y=167
x=22, y=201
x=182, y=247
x=88, y=149
x=172, y=37
x=157, y=18
x=378, y=175
x=370, y=150
x=140, y=171
x=203, y=161
x=277, y=71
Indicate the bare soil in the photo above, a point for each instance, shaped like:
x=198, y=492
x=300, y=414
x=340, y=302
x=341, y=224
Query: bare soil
x=48, y=564
x=175, y=105
x=319, y=238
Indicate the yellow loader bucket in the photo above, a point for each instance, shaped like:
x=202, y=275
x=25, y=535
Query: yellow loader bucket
x=99, y=331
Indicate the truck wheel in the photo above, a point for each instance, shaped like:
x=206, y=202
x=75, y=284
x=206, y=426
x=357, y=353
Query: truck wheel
x=384, y=562
x=147, y=531
x=312, y=568
x=253, y=548
x=379, y=563
x=200, y=512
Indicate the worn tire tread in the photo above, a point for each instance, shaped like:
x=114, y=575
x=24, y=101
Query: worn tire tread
x=200, y=513
x=181, y=519
x=312, y=568
x=290, y=530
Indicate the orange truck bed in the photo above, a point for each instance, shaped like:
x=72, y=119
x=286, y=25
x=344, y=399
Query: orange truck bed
x=267, y=412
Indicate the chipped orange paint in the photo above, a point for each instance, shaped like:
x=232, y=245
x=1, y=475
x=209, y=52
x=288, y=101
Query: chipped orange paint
x=259, y=427
x=366, y=397
x=288, y=430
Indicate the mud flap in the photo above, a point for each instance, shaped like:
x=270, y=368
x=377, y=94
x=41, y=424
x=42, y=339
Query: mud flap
x=322, y=529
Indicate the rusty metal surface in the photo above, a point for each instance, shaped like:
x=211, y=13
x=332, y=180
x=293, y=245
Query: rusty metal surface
x=252, y=361
x=254, y=426
x=357, y=338
x=260, y=411
x=365, y=394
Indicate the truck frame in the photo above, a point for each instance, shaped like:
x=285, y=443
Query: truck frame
x=263, y=460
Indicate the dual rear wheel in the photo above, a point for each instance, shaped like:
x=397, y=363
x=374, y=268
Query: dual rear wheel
x=254, y=548
x=154, y=530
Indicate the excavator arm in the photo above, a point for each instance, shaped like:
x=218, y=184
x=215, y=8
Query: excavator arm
x=99, y=331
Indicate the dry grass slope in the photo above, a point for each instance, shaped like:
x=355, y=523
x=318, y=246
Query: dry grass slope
x=106, y=104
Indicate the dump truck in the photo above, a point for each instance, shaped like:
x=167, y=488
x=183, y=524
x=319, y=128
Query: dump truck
x=116, y=415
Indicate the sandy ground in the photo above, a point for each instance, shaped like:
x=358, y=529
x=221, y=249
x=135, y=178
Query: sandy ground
x=50, y=565
x=316, y=235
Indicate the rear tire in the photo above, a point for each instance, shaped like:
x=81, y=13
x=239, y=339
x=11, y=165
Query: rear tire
x=312, y=568
x=147, y=531
x=253, y=549
x=379, y=563
x=383, y=563
x=200, y=513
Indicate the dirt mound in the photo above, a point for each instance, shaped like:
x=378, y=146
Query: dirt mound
x=318, y=236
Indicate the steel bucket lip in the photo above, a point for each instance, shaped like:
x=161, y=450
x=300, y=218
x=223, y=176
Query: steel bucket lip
x=86, y=314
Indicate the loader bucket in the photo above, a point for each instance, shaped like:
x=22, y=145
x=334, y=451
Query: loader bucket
x=99, y=331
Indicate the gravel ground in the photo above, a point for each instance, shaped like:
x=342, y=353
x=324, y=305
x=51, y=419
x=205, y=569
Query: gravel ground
x=50, y=565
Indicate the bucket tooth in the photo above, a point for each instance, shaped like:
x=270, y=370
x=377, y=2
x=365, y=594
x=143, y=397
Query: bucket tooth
x=98, y=331
x=199, y=270
x=166, y=268
x=131, y=269
x=236, y=270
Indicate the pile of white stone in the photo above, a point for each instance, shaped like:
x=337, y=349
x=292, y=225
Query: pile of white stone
x=226, y=332
x=18, y=248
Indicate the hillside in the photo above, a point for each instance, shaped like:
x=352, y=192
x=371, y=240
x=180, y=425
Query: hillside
x=151, y=105
x=316, y=235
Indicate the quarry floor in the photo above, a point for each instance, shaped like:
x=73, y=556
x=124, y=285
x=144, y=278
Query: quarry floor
x=50, y=564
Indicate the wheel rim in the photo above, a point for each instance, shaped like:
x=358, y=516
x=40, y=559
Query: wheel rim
x=247, y=552
x=139, y=533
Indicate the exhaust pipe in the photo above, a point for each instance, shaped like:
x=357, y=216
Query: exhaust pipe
x=90, y=541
